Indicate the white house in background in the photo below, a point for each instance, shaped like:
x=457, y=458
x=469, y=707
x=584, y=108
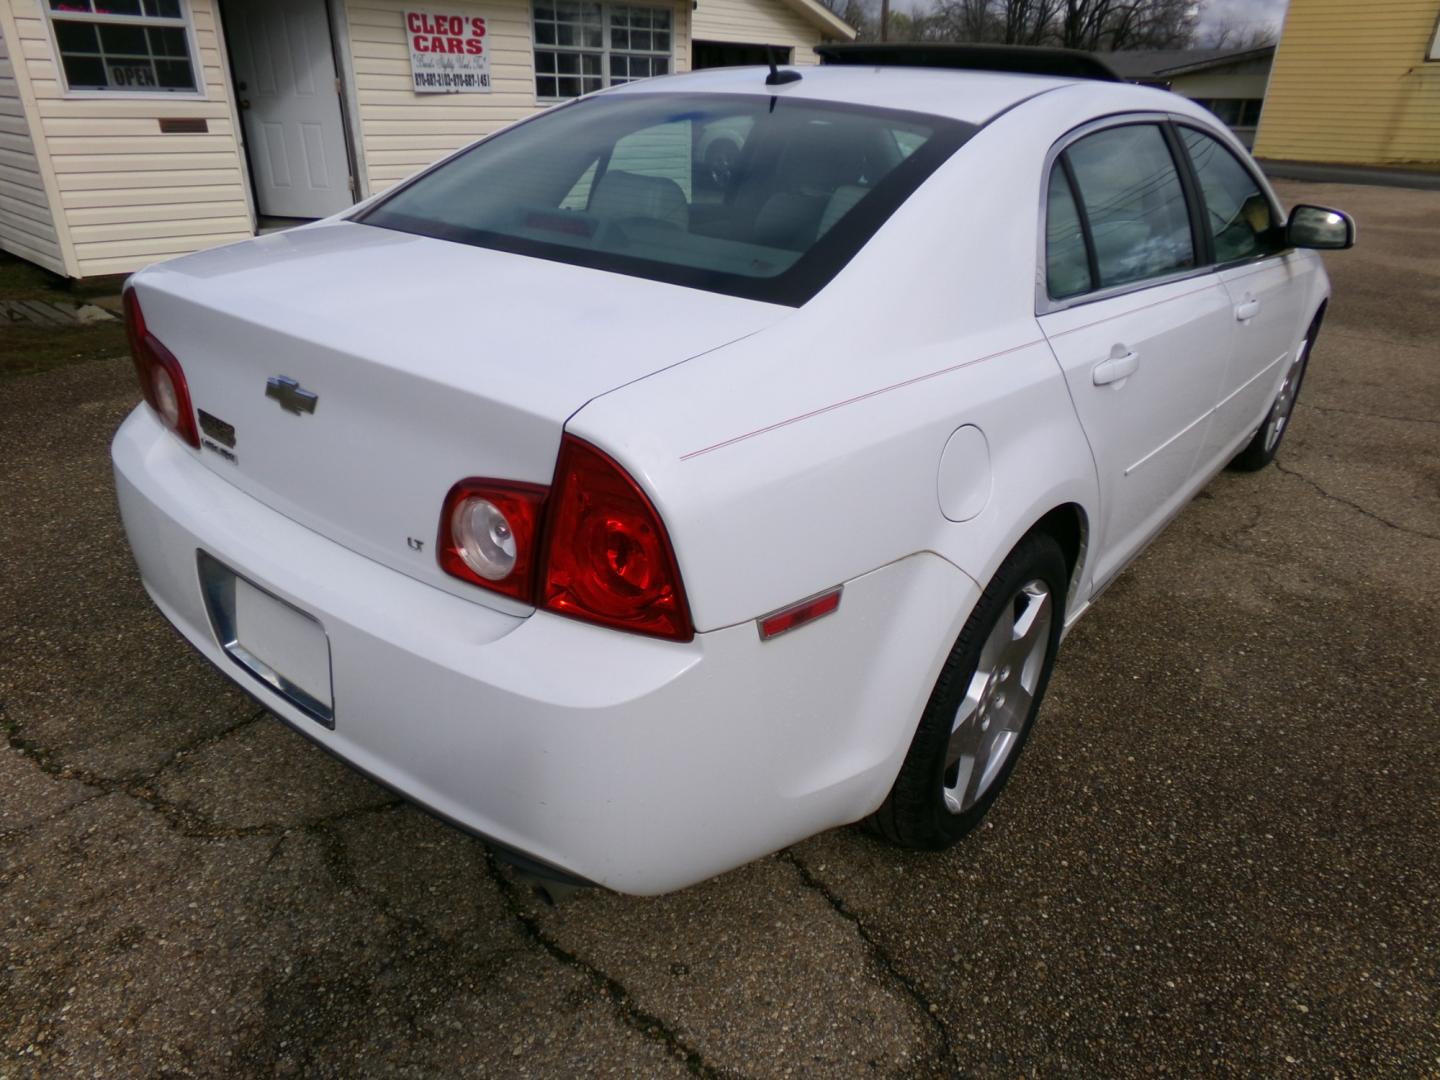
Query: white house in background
x=134, y=130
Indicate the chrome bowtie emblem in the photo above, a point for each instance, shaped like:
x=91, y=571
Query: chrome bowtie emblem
x=291, y=395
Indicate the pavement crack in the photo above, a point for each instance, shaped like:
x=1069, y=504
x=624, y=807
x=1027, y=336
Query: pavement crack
x=1356, y=506
x=177, y=816
x=7, y=835
x=1370, y=415
x=182, y=818
x=209, y=739
x=645, y=1023
x=945, y=1060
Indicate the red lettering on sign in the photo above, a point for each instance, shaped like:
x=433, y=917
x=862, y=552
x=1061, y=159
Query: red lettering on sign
x=417, y=44
x=455, y=45
x=477, y=27
x=415, y=22
x=474, y=46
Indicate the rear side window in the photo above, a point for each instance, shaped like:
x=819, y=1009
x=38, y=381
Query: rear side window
x=1240, y=217
x=1132, y=196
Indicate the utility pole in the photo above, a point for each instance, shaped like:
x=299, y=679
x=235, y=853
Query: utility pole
x=884, y=20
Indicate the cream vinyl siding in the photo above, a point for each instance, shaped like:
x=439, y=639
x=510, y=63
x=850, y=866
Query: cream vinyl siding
x=1247, y=80
x=27, y=226
x=1352, y=84
x=403, y=131
x=130, y=195
x=758, y=22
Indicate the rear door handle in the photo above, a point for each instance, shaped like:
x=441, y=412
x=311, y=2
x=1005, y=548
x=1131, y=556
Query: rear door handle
x=1116, y=369
x=1247, y=309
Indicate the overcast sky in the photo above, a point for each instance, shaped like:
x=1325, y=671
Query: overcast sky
x=1241, y=13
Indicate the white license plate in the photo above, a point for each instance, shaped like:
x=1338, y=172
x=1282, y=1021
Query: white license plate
x=273, y=640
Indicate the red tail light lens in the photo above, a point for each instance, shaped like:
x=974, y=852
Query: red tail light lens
x=607, y=556
x=162, y=381
x=591, y=546
x=489, y=534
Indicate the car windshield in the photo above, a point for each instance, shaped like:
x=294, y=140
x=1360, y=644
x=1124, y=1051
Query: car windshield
x=753, y=196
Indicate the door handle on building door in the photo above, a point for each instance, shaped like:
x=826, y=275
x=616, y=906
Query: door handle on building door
x=1119, y=367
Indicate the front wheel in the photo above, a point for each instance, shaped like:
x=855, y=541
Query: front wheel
x=1262, y=447
x=984, y=704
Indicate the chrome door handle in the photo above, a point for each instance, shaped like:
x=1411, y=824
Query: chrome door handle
x=1247, y=309
x=1116, y=369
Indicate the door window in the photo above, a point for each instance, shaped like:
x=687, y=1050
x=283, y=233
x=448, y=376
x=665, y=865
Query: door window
x=1239, y=215
x=1130, y=192
x=1067, y=265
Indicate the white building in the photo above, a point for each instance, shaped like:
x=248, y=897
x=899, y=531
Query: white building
x=134, y=130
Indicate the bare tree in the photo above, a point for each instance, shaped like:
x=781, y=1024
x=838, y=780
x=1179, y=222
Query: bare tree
x=1027, y=22
x=1232, y=35
x=1095, y=25
x=1091, y=25
x=963, y=20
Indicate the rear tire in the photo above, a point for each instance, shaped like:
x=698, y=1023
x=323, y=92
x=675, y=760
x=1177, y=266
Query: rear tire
x=1265, y=443
x=983, y=705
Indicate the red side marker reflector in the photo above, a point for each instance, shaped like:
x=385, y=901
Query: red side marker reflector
x=798, y=614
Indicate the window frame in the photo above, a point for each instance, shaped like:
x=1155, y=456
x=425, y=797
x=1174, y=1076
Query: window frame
x=1276, y=213
x=605, y=49
x=1205, y=262
x=186, y=22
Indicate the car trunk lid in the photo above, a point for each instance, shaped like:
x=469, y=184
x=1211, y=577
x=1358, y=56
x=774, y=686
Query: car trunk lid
x=347, y=375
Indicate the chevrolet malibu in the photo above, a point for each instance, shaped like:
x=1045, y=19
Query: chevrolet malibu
x=643, y=517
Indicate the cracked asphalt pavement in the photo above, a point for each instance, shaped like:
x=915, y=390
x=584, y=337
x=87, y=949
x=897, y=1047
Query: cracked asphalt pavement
x=1219, y=856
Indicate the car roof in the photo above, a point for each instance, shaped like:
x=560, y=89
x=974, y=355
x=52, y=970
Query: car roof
x=972, y=96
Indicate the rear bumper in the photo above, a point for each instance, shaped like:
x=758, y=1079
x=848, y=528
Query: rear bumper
x=637, y=764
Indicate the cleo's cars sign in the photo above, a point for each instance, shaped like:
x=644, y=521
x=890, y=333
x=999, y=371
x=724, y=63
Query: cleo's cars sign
x=448, y=53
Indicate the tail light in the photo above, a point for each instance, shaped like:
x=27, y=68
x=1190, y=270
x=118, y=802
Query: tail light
x=488, y=535
x=592, y=546
x=162, y=381
x=607, y=555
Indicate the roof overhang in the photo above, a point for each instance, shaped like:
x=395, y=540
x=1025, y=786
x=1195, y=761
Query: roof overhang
x=823, y=17
x=1241, y=57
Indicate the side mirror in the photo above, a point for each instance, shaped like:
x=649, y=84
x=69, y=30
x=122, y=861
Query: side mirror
x=1320, y=229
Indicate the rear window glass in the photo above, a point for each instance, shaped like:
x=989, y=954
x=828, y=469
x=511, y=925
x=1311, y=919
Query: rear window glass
x=752, y=196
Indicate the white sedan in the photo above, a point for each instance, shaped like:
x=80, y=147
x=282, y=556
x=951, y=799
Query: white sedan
x=643, y=519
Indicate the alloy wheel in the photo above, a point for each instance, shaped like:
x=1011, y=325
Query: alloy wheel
x=1285, y=401
x=991, y=717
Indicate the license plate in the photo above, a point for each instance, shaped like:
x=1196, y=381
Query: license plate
x=277, y=643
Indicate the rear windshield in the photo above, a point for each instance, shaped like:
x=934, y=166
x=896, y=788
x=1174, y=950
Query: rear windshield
x=761, y=197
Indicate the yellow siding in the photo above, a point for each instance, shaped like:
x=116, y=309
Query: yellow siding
x=27, y=226
x=130, y=195
x=403, y=131
x=758, y=22
x=1351, y=84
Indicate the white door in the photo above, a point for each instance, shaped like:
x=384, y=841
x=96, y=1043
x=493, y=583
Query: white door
x=1261, y=281
x=1144, y=348
x=290, y=106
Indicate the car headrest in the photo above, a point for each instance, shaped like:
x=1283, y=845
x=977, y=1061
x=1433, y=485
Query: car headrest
x=624, y=195
x=840, y=204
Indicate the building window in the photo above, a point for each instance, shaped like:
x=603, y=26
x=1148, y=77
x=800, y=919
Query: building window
x=1236, y=112
x=580, y=47
x=124, y=46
